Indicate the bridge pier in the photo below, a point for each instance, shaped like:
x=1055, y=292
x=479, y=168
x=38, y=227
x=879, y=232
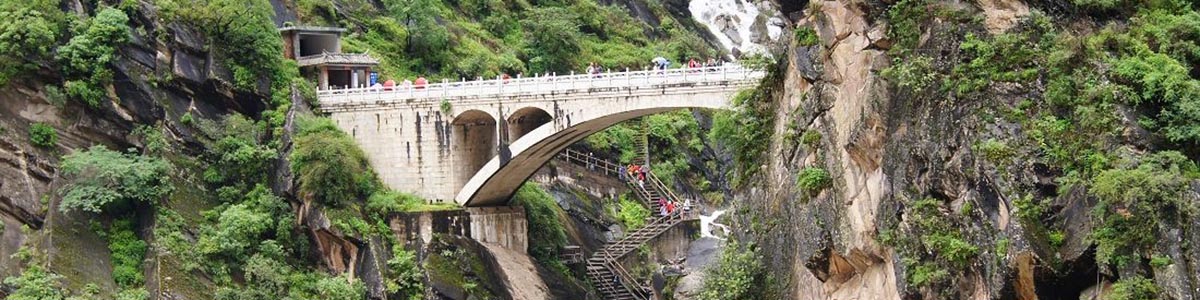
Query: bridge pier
x=500, y=225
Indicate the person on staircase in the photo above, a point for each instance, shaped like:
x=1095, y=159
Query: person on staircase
x=671, y=208
x=621, y=171
x=662, y=208
x=641, y=177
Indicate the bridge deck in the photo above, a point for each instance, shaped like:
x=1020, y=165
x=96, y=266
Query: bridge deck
x=539, y=85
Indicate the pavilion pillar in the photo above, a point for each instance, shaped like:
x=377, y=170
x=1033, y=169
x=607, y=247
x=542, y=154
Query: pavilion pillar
x=324, y=81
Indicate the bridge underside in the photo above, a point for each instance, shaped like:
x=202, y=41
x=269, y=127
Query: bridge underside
x=499, y=179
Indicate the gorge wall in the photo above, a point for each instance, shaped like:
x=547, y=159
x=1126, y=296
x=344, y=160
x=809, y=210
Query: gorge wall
x=936, y=186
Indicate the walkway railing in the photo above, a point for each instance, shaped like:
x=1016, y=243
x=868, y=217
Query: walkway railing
x=540, y=84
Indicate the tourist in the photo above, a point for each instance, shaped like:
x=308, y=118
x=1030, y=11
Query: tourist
x=407, y=84
x=591, y=162
x=420, y=83
x=662, y=209
x=687, y=205
x=505, y=77
x=712, y=64
x=692, y=64
x=671, y=207
x=621, y=173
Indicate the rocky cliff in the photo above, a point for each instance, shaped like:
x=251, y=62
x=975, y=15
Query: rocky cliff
x=890, y=174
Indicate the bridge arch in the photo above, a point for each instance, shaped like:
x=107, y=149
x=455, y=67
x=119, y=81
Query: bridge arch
x=473, y=137
x=525, y=120
x=499, y=179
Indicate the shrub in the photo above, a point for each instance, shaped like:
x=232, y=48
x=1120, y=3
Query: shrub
x=43, y=135
x=633, y=214
x=553, y=40
x=100, y=179
x=914, y=73
x=28, y=31
x=546, y=234
x=35, y=283
x=127, y=253
x=811, y=138
x=241, y=32
x=738, y=274
x=88, y=54
x=405, y=275
x=994, y=150
x=806, y=36
x=812, y=180
x=1134, y=199
x=1134, y=288
x=330, y=166
x=746, y=130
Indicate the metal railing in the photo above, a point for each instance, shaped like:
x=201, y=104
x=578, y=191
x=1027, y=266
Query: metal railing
x=539, y=84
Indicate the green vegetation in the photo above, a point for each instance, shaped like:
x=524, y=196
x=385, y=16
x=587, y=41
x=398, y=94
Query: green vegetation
x=28, y=32
x=933, y=246
x=330, y=166
x=385, y=202
x=450, y=262
x=1135, y=288
x=241, y=33
x=745, y=130
x=811, y=138
x=405, y=277
x=994, y=150
x=35, y=283
x=914, y=73
x=738, y=274
x=1134, y=199
x=43, y=135
x=632, y=213
x=86, y=58
x=102, y=180
x=127, y=253
x=453, y=39
x=806, y=36
x=546, y=234
x=237, y=158
x=812, y=180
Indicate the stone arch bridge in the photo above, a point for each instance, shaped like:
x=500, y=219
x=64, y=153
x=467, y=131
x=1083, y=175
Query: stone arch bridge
x=476, y=142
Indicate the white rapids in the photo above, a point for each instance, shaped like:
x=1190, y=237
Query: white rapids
x=732, y=21
x=708, y=222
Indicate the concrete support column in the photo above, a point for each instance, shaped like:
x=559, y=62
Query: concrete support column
x=502, y=225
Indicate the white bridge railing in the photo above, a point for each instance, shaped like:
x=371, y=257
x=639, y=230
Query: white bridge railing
x=545, y=84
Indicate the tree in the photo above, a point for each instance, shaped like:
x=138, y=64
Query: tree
x=88, y=55
x=425, y=37
x=241, y=32
x=100, y=179
x=35, y=283
x=330, y=166
x=553, y=40
x=28, y=31
x=737, y=274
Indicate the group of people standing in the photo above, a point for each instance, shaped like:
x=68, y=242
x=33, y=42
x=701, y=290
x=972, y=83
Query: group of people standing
x=638, y=172
x=635, y=172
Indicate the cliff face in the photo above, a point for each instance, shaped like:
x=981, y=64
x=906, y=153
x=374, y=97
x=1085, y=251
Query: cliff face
x=915, y=207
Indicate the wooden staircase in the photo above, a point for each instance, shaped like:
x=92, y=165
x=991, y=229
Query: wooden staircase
x=602, y=267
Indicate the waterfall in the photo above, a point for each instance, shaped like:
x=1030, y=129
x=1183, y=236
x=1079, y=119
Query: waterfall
x=732, y=21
